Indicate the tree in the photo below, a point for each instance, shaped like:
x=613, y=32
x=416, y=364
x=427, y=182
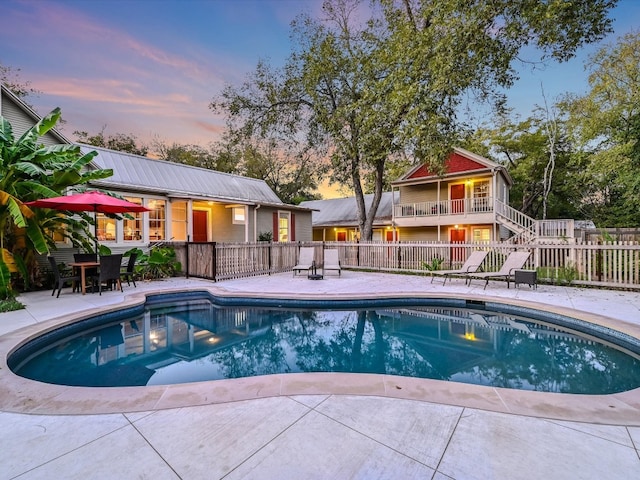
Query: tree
x=120, y=141
x=535, y=152
x=292, y=174
x=28, y=171
x=606, y=127
x=193, y=155
x=370, y=92
x=10, y=77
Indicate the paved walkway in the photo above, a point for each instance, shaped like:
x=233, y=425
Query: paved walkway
x=442, y=432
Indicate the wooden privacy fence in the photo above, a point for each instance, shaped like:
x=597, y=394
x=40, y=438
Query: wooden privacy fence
x=613, y=264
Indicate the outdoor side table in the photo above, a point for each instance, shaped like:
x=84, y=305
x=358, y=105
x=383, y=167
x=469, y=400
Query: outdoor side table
x=313, y=272
x=529, y=277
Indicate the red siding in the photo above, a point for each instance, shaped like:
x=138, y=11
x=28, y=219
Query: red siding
x=454, y=164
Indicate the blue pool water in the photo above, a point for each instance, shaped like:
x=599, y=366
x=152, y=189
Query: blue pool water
x=173, y=339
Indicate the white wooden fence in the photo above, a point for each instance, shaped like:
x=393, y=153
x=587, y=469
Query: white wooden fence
x=613, y=264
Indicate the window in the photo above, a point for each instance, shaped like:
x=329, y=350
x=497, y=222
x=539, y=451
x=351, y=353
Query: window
x=283, y=226
x=179, y=221
x=106, y=228
x=132, y=228
x=239, y=215
x=481, y=196
x=157, y=220
x=481, y=234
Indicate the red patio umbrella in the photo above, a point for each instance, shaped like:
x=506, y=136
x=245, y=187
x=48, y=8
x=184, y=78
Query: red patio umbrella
x=91, y=201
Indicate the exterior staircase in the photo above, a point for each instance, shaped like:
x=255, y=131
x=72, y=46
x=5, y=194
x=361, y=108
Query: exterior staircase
x=530, y=230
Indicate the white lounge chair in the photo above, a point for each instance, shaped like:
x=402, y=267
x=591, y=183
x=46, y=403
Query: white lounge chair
x=331, y=260
x=305, y=260
x=471, y=265
x=515, y=261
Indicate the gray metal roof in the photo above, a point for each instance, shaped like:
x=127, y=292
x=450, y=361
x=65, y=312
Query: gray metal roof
x=137, y=173
x=344, y=211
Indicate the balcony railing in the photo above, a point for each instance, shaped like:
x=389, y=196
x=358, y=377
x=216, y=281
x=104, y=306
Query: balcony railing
x=444, y=207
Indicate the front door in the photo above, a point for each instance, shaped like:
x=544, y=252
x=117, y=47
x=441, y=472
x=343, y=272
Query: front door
x=200, y=226
x=456, y=194
x=457, y=254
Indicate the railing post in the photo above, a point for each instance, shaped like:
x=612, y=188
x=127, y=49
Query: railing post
x=186, y=256
x=214, y=261
x=269, y=257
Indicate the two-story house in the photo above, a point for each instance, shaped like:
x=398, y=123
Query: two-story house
x=467, y=202
x=456, y=206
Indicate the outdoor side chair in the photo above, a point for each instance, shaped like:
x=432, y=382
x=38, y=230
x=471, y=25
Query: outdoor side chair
x=59, y=279
x=109, y=273
x=128, y=273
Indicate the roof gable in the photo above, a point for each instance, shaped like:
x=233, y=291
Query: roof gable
x=22, y=117
x=459, y=161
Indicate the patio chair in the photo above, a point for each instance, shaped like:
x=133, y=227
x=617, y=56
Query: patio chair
x=331, y=260
x=109, y=273
x=305, y=260
x=471, y=265
x=515, y=261
x=59, y=279
x=128, y=274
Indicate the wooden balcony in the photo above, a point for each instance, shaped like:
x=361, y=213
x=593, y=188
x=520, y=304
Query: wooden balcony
x=445, y=212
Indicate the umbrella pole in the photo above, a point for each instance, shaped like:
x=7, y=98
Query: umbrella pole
x=95, y=228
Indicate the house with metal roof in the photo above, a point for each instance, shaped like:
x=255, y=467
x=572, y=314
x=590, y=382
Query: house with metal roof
x=186, y=203
x=336, y=220
x=193, y=204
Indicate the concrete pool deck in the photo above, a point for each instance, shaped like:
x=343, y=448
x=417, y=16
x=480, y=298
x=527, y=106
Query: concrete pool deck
x=329, y=426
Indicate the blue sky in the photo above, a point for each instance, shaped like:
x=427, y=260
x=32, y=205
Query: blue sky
x=151, y=67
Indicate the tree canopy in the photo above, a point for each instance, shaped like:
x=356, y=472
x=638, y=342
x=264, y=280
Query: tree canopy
x=122, y=142
x=606, y=127
x=367, y=93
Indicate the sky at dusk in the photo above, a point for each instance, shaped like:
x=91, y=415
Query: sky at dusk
x=151, y=67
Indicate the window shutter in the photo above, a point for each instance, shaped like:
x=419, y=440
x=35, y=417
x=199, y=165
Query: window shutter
x=276, y=230
x=293, y=227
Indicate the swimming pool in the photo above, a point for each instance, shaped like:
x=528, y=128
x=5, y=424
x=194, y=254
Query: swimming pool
x=188, y=338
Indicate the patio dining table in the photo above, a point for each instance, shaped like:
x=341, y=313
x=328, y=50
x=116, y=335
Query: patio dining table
x=83, y=272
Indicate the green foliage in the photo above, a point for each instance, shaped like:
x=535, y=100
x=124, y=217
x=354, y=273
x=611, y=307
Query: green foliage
x=160, y=262
x=265, y=237
x=523, y=148
x=436, y=264
x=29, y=171
x=10, y=305
x=606, y=127
x=560, y=275
x=120, y=141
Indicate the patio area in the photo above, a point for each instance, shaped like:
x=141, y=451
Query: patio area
x=326, y=426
